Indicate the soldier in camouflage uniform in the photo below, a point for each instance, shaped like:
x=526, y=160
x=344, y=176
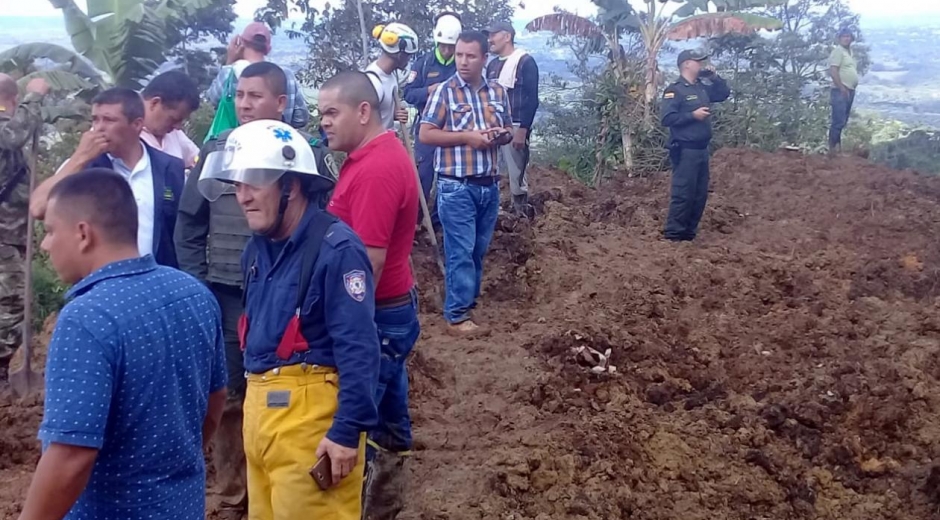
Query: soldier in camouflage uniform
x=19, y=120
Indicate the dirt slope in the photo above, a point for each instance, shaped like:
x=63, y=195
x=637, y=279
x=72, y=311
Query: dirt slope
x=782, y=366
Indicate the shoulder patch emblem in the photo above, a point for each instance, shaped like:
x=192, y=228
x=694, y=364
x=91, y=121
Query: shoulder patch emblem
x=669, y=95
x=413, y=76
x=355, y=282
x=330, y=162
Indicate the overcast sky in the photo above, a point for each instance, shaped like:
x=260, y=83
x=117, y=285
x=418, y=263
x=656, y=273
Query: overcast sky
x=245, y=8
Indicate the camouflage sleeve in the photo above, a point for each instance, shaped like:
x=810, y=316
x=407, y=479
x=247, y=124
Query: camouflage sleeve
x=17, y=127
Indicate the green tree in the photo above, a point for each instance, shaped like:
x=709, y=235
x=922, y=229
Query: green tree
x=781, y=83
x=125, y=39
x=69, y=73
x=333, y=34
x=654, y=26
x=186, y=39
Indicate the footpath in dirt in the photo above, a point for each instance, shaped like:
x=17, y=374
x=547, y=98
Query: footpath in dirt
x=785, y=365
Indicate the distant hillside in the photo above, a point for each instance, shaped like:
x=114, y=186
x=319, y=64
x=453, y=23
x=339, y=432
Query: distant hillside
x=904, y=83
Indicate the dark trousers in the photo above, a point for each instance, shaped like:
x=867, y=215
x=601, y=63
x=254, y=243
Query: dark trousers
x=424, y=156
x=228, y=453
x=841, y=109
x=689, y=193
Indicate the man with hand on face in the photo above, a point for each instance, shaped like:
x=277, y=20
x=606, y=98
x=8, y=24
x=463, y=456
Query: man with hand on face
x=135, y=378
x=686, y=111
x=377, y=196
x=398, y=43
x=253, y=46
x=169, y=100
x=114, y=142
x=517, y=71
x=427, y=71
x=210, y=239
x=310, y=343
x=467, y=118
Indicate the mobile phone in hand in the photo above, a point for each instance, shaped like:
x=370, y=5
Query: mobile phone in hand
x=322, y=472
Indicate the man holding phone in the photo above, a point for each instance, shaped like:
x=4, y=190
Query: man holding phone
x=467, y=118
x=686, y=111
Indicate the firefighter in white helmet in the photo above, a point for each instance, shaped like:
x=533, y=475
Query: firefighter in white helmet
x=398, y=43
x=310, y=346
x=427, y=71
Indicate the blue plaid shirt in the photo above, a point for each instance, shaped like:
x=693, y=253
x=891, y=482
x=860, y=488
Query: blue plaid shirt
x=296, y=114
x=455, y=107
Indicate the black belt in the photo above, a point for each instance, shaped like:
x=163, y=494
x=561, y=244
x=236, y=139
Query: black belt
x=476, y=180
x=395, y=301
x=692, y=145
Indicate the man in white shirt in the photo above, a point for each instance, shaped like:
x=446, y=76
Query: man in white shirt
x=169, y=100
x=155, y=178
x=398, y=42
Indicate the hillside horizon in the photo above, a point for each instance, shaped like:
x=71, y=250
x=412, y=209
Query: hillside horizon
x=903, y=84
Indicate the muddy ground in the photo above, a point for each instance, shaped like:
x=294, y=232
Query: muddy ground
x=782, y=366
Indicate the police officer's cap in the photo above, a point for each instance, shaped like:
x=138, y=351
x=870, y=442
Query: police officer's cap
x=691, y=54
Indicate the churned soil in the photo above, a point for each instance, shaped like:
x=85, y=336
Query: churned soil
x=783, y=365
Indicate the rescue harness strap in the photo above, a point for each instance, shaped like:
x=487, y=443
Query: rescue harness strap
x=292, y=340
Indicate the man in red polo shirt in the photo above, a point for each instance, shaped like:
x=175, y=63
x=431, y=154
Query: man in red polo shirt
x=377, y=196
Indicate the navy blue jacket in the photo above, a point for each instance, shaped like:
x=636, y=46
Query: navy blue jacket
x=426, y=71
x=168, y=179
x=337, y=317
x=681, y=99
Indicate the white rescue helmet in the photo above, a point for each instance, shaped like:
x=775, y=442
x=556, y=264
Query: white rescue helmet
x=259, y=153
x=447, y=30
x=396, y=37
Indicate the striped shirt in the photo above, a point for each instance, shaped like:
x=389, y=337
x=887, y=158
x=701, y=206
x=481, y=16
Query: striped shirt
x=455, y=107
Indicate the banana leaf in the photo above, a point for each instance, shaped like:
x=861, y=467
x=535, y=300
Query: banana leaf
x=718, y=24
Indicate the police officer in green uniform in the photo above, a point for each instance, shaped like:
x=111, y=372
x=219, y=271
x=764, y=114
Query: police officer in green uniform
x=210, y=238
x=686, y=111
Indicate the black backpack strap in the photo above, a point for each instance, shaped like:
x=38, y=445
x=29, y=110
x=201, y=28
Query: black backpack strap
x=380, y=91
x=316, y=232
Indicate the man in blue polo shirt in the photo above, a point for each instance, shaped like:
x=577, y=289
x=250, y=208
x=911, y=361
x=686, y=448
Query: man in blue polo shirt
x=135, y=378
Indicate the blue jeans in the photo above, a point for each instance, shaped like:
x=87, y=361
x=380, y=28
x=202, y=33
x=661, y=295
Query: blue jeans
x=468, y=215
x=841, y=108
x=398, y=332
x=424, y=156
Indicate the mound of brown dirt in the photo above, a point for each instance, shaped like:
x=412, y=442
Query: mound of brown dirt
x=784, y=365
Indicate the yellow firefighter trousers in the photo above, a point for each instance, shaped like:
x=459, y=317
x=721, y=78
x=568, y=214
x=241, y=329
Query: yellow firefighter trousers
x=287, y=413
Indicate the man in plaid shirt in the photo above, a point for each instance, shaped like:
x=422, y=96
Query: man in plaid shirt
x=467, y=118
